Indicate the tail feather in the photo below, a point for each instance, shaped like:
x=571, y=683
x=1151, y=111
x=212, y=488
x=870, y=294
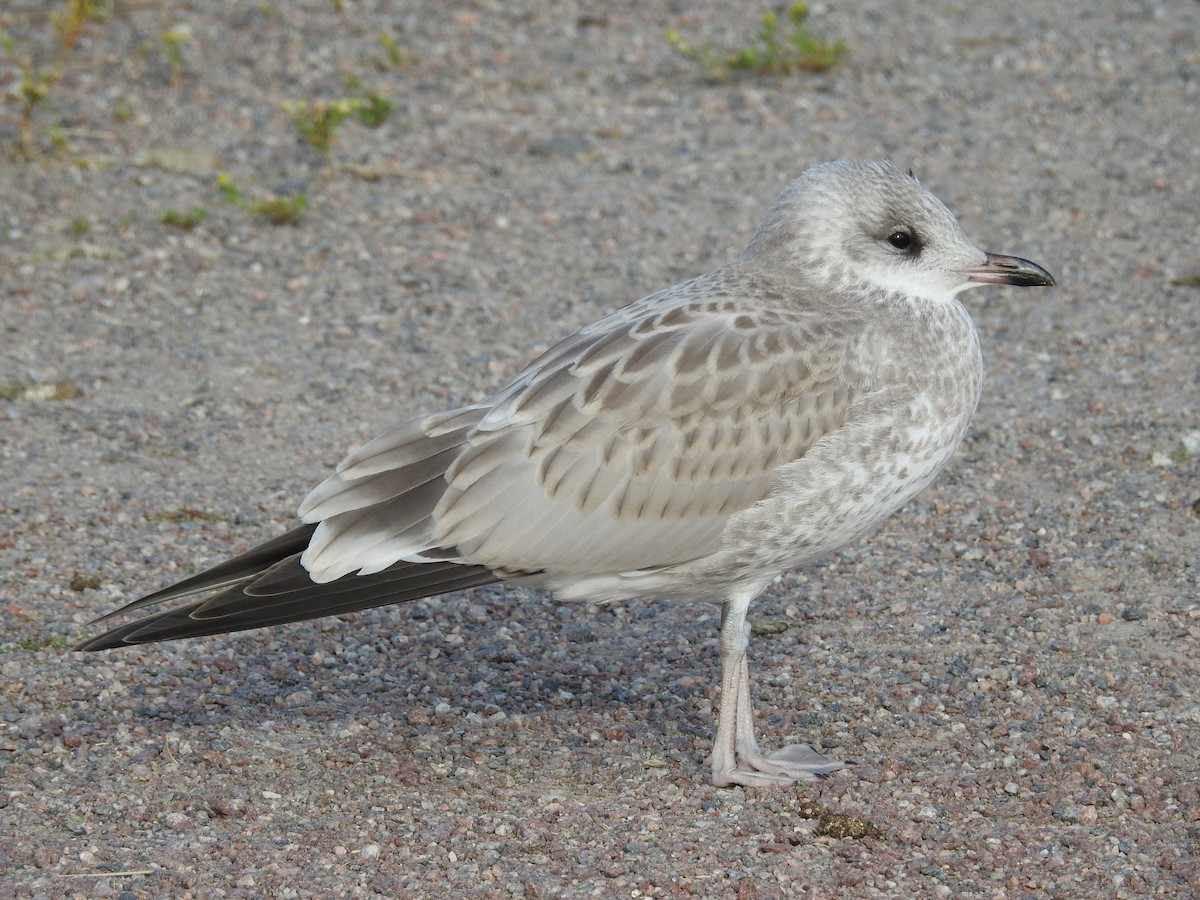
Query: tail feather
x=268, y=586
x=233, y=571
x=403, y=581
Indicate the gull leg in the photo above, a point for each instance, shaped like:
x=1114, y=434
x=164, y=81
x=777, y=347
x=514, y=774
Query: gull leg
x=736, y=757
x=724, y=755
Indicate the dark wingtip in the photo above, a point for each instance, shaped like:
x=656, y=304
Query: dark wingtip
x=106, y=641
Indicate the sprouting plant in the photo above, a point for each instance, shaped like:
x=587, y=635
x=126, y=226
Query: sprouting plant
x=394, y=57
x=70, y=21
x=226, y=186
x=81, y=227
x=184, y=221
x=318, y=121
x=36, y=644
x=373, y=109
x=280, y=210
x=56, y=134
x=773, y=52
x=32, y=93
x=84, y=581
x=174, y=40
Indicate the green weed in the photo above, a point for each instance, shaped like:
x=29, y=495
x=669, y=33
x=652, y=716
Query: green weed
x=31, y=93
x=174, y=40
x=280, y=210
x=56, y=134
x=373, y=109
x=773, y=53
x=35, y=644
x=184, y=221
x=394, y=57
x=69, y=21
x=77, y=14
x=318, y=121
x=83, y=582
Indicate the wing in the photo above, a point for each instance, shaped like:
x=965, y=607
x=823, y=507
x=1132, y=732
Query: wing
x=626, y=446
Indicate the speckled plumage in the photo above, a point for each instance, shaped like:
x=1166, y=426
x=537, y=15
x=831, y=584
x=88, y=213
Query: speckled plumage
x=692, y=444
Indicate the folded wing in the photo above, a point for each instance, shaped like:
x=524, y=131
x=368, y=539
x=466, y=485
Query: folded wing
x=626, y=446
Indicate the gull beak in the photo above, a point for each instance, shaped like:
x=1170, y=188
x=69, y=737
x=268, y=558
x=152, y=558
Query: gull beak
x=999, y=269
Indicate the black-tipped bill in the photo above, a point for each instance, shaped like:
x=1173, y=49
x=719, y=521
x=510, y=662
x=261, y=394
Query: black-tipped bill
x=1009, y=270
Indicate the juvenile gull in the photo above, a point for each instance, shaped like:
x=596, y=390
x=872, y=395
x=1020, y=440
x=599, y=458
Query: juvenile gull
x=692, y=445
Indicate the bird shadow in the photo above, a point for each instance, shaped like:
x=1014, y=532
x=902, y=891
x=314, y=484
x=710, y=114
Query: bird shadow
x=479, y=655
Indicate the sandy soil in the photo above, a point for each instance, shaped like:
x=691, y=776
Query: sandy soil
x=1012, y=660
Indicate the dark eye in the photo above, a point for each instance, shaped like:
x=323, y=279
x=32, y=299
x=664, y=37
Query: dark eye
x=901, y=240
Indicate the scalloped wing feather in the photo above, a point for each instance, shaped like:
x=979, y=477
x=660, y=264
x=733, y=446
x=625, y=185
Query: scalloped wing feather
x=626, y=446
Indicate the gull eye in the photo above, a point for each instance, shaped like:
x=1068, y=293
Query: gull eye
x=901, y=240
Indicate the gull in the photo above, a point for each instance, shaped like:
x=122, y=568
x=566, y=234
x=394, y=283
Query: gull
x=692, y=445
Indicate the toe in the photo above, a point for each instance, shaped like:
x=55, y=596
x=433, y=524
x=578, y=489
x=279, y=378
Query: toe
x=804, y=759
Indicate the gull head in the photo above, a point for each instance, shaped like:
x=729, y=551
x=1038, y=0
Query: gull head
x=871, y=229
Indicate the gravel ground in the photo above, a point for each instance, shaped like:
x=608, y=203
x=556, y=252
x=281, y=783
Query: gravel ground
x=1012, y=660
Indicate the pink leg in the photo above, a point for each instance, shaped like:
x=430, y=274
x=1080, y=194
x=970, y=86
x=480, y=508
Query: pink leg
x=736, y=757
